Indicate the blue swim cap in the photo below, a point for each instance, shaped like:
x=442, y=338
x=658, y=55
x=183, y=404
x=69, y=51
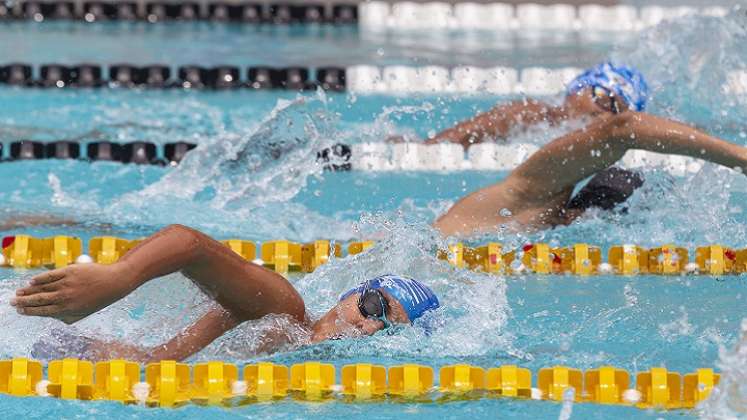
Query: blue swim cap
x=625, y=82
x=414, y=296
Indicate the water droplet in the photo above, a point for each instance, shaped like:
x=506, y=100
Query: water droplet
x=505, y=212
x=380, y=52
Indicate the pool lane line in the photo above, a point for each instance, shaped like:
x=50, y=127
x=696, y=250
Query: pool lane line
x=396, y=80
x=282, y=256
x=590, y=16
x=171, y=384
x=364, y=157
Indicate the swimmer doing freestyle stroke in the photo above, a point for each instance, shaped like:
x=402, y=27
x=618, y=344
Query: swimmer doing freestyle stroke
x=538, y=194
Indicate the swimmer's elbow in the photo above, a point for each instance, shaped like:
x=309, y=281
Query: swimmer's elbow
x=191, y=238
x=178, y=229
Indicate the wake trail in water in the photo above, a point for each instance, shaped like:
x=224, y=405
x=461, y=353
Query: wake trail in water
x=247, y=170
x=241, y=180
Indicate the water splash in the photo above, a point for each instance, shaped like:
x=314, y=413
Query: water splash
x=238, y=181
x=474, y=304
x=728, y=400
x=700, y=208
x=391, y=122
x=271, y=163
x=687, y=62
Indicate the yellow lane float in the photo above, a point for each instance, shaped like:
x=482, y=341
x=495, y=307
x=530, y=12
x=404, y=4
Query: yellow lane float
x=171, y=384
x=282, y=256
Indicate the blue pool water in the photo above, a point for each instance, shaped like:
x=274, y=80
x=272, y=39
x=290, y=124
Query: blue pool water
x=210, y=44
x=680, y=322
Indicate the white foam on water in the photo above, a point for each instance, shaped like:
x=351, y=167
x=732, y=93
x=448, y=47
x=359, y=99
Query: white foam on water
x=728, y=400
x=687, y=63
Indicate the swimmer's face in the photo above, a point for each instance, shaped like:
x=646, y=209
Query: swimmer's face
x=345, y=320
x=590, y=102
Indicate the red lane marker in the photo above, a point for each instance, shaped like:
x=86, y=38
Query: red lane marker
x=8, y=241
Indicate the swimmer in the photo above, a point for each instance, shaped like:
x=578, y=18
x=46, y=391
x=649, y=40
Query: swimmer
x=600, y=90
x=242, y=290
x=538, y=194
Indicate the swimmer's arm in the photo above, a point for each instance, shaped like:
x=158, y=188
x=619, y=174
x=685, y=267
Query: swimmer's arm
x=569, y=159
x=247, y=290
x=189, y=341
x=499, y=121
x=196, y=337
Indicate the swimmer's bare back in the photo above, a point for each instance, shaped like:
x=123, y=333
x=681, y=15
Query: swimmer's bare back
x=244, y=290
x=534, y=194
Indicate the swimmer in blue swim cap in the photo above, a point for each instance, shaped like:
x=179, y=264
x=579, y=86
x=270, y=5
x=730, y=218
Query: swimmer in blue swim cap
x=612, y=88
x=606, y=88
x=576, y=171
x=379, y=303
x=243, y=291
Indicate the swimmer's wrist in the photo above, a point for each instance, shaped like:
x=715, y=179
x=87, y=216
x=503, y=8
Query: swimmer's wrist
x=127, y=274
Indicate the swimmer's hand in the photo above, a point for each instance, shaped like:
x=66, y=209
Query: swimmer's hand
x=74, y=292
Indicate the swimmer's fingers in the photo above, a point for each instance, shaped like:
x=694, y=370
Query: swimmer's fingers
x=49, y=310
x=30, y=290
x=38, y=299
x=48, y=277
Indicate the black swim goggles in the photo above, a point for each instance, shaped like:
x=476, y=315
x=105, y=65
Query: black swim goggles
x=600, y=93
x=373, y=304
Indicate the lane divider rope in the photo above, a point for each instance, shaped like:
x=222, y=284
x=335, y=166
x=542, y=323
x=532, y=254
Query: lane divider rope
x=138, y=152
x=171, y=384
x=366, y=157
x=371, y=15
x=364, y=79
x=161, y=76
x=254, y=12
x=384, y=157
x=282, y=256
x=376, y=15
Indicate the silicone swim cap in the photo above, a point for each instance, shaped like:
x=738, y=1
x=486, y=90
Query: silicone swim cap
x=414, y=296
x=606, y=189
x=625, y=82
